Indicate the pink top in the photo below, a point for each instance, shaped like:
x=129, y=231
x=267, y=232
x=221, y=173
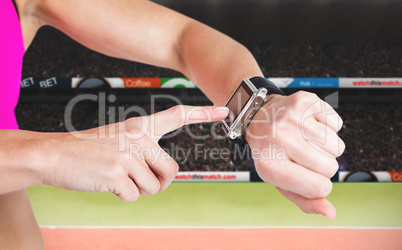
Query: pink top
x=11, y=53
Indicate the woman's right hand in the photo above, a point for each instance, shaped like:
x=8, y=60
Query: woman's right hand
x=123, y=158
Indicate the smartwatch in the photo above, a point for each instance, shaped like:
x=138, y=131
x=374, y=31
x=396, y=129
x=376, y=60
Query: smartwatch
x=244, y=103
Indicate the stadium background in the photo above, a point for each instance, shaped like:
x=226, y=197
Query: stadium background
x=290, y=39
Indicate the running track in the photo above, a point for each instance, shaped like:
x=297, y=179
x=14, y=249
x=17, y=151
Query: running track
x=222, y=238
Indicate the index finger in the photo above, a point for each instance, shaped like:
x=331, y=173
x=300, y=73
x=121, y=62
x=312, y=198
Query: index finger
x=173, y=118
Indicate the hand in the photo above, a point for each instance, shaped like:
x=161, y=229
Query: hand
x=294, y=145
x=123, y=158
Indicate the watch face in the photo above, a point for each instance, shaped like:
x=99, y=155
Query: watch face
x=238, y=101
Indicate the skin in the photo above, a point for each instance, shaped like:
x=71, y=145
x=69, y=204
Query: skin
x=304, y=129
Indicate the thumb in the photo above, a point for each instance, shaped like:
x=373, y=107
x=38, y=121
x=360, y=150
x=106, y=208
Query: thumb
x=171, y=119
x=311, y=206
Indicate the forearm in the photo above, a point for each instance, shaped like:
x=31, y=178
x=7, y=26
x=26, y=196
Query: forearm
x=130, y=30
x=215, y=62
x=20, y=163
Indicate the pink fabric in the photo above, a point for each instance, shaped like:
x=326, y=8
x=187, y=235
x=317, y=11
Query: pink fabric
x=11, y=54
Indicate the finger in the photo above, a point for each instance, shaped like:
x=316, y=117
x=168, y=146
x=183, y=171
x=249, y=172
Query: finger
x=292, y=177
x=162, y=165
x=310, y=156
x=180, y=115
x=144, y=178
x=329, y=117
x=311, y=206
x=324, y=113
x=322, y=136
x=127, y=190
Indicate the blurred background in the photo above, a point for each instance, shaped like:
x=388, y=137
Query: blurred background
x=346, y=51
x=305, y=41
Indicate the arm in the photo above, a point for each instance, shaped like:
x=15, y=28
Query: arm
x=27, y=170
x=115, y=158
x=146, y=32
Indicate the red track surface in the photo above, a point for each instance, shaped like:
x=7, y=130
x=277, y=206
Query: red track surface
x=264, y=238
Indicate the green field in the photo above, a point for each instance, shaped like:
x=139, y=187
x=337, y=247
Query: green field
x=218, y=204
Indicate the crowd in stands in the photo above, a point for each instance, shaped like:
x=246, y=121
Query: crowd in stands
x=371, y=133
x=278, y=61
x=365, y=59
x=63, y=57
x=58, y=55
x=354, y=59
x=49, y=116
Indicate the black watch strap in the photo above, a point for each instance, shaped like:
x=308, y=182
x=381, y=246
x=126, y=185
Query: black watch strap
x=261, y=82
x=240, y=142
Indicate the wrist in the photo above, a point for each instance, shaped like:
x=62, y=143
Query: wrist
x=21, y=164
x=261, y=127
x=37, y=157
x=40, y=152
x=47, y=154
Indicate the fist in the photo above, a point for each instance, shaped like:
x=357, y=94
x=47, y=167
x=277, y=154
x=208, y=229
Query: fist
x=294, y=143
